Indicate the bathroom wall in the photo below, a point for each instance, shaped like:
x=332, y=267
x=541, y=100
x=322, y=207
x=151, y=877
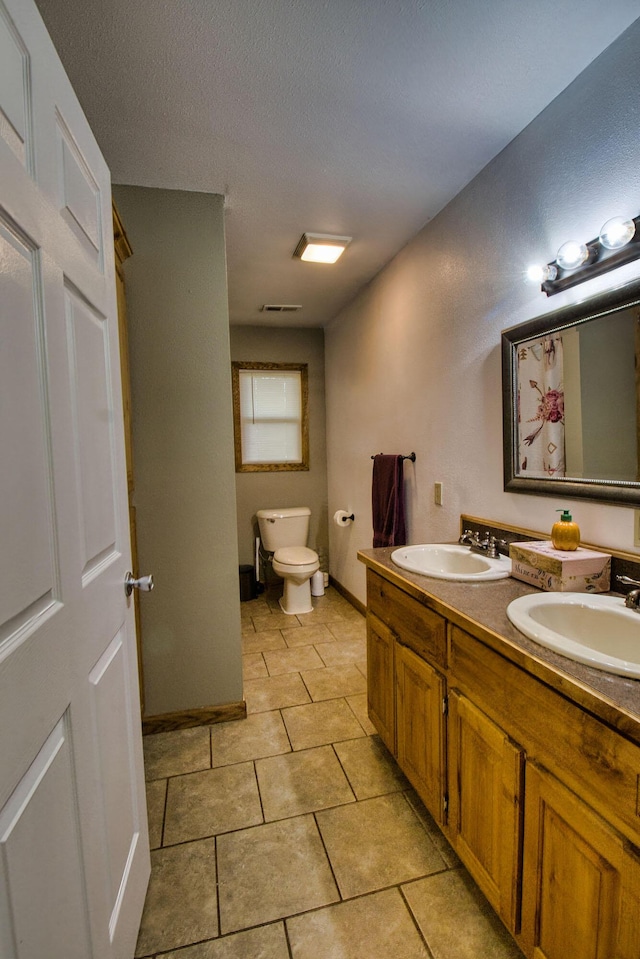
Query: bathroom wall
x=305, y=488
x=414, y=362
x=183, y=447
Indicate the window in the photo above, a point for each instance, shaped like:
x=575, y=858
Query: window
x=270, y=416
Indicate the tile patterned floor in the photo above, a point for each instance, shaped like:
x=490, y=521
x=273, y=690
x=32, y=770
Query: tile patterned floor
x=293, y=834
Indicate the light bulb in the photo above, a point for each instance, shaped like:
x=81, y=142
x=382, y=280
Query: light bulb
x=538, y=274
x=572, y=255
x=617, y=232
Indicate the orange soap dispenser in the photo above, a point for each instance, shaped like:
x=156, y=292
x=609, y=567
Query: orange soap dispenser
x=565, y=534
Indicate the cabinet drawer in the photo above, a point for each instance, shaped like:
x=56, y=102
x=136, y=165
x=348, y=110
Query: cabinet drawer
x=594, y=760
x=419, y=628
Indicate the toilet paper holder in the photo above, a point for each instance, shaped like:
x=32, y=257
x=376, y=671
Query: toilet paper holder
x=342, y=518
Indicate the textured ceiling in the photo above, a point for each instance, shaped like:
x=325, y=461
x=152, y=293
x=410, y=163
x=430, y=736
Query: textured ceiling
x=356, y=117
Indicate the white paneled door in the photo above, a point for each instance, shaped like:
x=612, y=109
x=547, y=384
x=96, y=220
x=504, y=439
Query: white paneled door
x=74, y=857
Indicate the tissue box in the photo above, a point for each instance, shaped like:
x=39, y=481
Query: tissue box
x=556, y=570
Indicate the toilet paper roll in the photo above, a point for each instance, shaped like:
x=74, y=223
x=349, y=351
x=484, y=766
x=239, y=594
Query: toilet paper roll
x=342, y=518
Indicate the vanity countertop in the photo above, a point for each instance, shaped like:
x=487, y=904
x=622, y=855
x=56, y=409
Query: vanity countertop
x=481, y=609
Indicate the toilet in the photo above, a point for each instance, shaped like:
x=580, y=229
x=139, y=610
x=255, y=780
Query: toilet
x=284, y=533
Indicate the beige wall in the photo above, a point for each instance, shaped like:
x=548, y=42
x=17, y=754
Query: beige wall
x=414, y=362
x=306, y=488
x=183, y=446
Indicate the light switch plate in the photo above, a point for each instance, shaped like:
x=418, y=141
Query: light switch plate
x=437, y=494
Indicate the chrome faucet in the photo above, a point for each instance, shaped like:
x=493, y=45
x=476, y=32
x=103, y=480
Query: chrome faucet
x=632, y=599
x=488, y=545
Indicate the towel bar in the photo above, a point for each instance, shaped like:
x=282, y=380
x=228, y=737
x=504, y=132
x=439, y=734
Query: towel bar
x=410, y=456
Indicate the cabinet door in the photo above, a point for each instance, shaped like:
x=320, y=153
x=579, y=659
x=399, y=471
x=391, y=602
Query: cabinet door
x=485, y=804
x=420, y=694
x=581, y=880
x=380, y=689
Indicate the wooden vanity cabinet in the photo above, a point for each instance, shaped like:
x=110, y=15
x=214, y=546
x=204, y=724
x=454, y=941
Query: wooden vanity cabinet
x=543, y=796
x=577, y=804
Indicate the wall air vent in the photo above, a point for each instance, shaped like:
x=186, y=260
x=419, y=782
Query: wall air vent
x=281, y=307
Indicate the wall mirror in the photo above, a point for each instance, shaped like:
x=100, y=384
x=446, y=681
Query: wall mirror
x=571, y=401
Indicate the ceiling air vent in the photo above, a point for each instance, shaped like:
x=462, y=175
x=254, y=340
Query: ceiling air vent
x=281, y=307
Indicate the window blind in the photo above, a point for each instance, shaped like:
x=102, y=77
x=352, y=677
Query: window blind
x=271, y=415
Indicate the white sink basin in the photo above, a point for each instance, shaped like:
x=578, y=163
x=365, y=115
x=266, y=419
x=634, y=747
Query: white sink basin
x=445, y=561
x=597, y=630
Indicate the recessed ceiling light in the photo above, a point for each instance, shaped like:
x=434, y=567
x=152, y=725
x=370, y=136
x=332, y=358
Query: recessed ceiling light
x=321, y=247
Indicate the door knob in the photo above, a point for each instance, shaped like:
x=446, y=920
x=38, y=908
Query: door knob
x=144, y=583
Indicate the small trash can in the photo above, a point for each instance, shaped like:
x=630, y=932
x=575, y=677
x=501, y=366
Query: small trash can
x=317, y=583
x=247, y=583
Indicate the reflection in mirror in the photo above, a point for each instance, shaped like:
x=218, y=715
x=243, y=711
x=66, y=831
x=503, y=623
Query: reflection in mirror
x=571, y=400
x=577, y=399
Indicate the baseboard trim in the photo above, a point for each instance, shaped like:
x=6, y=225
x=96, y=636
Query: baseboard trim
x=339, y=588
x=186, y=718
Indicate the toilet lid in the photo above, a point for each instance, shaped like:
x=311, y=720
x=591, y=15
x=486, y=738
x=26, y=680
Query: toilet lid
x=295, y=555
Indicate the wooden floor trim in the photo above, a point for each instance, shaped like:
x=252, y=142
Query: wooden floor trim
x=186, y=718
x=339, y=588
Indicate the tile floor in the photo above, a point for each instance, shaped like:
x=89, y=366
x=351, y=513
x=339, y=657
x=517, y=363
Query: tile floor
x=293, y=834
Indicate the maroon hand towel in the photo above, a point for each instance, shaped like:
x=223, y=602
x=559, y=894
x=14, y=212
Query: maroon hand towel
x=387, y=501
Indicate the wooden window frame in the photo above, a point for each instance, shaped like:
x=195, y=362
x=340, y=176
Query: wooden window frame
x=303, y=369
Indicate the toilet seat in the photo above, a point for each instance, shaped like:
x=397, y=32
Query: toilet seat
x=295, y=556
x=295, y=562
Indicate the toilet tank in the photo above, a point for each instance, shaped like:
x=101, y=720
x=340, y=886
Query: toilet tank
x=284, y=527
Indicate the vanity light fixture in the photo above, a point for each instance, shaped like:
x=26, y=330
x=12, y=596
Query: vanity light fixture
x=575, y=262
x=321, y=247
